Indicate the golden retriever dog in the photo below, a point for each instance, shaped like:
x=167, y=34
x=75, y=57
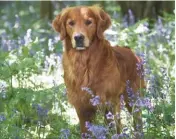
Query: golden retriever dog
x=90, y=61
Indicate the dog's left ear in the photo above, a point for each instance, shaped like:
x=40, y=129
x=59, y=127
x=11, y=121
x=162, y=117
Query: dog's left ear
x=103, y=21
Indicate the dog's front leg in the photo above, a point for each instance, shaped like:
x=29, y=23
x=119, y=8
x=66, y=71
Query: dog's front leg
x=85, y=114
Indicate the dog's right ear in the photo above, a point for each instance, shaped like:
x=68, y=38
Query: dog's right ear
x=59, y=25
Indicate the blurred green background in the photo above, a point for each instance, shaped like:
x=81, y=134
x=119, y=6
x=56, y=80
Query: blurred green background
x=33, y=102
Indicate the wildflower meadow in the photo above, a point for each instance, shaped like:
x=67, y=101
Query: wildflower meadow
x=33, y=100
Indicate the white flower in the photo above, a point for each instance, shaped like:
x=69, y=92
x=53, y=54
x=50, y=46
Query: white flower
x=27, y=37
x=123, y=36
x=161, y=49
x=141, y=29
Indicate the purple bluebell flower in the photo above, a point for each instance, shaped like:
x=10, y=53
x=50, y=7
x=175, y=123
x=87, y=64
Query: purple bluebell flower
x=125, y=129
x=88, y=90
x=2, y=117
x=42, y=112
x=115, y=136
x=112, y=124
x=148, y=104
x=110, y=116
x=88, y=124
x=131, y=94
x=95, y=101
x=65, y=133
x=131, y=17
x=139, y=67
x=122, y=104
x=86, y=136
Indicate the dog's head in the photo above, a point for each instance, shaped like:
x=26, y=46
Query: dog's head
x=82, y=25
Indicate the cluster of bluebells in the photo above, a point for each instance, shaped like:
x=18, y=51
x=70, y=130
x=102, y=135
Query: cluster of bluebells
x=112, y=124
x=163, y=32
x=139, y=66
x=41, y=112
x=136, y=101
x=95, y=100
x=128, y=19
x=97, y=131
x=143, y=69
x=101, y=132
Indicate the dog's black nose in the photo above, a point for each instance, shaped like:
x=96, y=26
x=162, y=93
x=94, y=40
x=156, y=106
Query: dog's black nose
x=79, y=37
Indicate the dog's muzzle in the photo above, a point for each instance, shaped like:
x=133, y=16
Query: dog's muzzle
x=79, y=39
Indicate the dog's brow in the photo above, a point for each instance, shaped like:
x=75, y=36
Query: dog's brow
x=83, y=11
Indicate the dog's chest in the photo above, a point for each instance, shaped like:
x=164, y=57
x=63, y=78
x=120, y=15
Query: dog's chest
x=77, y=70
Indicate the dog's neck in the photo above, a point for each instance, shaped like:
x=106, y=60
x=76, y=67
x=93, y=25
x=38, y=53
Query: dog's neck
x=81, y=61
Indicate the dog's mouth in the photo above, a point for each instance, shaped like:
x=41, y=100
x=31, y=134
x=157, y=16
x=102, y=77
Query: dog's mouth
x=80, y=46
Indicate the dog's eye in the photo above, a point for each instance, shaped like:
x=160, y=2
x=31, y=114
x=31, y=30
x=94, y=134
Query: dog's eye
x=71, y=23
x=88, y=22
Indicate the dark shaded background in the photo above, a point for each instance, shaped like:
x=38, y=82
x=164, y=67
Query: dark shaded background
x=140, y=9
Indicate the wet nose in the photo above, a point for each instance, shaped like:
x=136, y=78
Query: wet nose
x=79, y=37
